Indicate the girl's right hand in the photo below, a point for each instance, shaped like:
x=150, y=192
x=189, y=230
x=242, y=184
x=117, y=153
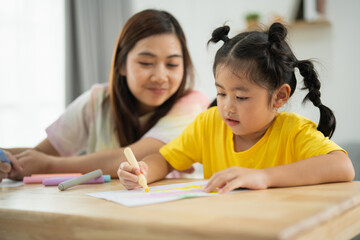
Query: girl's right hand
x=128, y=175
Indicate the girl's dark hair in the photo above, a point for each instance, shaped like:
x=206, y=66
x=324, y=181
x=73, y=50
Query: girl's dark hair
x=142, y=25
x=266, y=58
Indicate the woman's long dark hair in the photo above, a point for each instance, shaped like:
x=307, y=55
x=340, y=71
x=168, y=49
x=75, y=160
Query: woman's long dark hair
x=268, y=60
x=142, y=25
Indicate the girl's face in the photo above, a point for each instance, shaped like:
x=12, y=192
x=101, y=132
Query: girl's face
x=243, y=105
x=154, y=70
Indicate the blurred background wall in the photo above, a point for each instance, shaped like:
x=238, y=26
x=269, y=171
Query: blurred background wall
x=335, y=47
x=34, y=66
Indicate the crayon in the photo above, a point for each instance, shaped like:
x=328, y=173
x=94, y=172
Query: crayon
x=4, y=158
x=38, y=178
x=55, y=181
x=133, y=162
x=78, y=180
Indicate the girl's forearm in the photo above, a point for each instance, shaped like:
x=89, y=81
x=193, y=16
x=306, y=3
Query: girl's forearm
x=158, y=167
x=332, y=167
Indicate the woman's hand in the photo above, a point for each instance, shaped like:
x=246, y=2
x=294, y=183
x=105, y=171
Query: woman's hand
x=6, y=169
x=235, y=177
x=31, y=161
x=128, y=175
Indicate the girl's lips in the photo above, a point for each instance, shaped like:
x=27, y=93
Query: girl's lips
x=231, y=122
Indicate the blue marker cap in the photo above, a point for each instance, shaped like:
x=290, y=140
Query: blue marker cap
x=4, y=158
x=107, y=178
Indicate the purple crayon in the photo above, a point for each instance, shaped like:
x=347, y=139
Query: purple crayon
x=55, y=181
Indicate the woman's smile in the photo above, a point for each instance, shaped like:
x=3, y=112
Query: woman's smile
x=157, y=91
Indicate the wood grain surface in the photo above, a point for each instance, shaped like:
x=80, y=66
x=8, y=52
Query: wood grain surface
x=326, y=211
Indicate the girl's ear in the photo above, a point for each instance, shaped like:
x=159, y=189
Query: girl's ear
x=281, y=95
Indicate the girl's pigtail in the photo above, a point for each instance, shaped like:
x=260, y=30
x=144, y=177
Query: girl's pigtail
x=327, y=122
x=277, y=33
x=221, y=33
x=280, y=60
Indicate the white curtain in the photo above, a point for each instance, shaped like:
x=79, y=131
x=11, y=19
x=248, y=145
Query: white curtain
x=31, y=69
x=92, y=27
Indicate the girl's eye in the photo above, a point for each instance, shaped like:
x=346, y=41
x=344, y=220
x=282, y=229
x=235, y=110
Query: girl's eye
x=220, y=94
x=145, y=63
x=242, y=98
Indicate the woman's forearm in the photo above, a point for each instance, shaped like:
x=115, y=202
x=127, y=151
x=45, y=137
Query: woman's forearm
x=15, y=151
x=332, y=167
x=107, y=160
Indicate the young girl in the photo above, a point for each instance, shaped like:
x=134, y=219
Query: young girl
x=147, y=103
x=245, y=141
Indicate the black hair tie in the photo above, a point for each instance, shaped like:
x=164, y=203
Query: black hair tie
x=225, y=38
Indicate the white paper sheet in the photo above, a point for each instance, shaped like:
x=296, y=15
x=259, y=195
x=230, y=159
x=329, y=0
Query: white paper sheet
x=10, y=183
x=157, y=194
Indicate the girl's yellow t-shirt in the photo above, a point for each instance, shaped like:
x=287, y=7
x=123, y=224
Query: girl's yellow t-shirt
x=208, y=140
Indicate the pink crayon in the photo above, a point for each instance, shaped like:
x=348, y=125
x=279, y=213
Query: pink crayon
x=38, y=178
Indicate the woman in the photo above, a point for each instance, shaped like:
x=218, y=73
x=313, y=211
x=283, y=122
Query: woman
x=147, y=103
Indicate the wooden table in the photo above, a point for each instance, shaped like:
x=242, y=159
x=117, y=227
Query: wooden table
x=324, y=211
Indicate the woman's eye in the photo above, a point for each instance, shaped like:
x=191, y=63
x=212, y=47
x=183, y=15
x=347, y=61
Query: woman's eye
x=172, y=65
x=220, y=94
x=145, y=63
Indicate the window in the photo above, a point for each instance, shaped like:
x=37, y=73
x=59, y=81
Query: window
x=32, y=82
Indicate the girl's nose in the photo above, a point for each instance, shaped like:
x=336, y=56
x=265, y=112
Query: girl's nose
x=229, y=106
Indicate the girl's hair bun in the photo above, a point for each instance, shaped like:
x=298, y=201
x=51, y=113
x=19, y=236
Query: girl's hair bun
x=221, y=33
x=277, y=33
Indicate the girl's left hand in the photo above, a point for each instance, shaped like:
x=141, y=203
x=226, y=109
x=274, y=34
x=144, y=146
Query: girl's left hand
x=235, y=177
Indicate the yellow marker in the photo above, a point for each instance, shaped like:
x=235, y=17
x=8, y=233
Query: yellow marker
x=132, y=160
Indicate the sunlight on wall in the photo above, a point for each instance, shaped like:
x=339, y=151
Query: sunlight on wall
x=32, y=69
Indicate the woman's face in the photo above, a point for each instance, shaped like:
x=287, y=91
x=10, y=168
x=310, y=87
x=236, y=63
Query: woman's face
x=154, y=70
